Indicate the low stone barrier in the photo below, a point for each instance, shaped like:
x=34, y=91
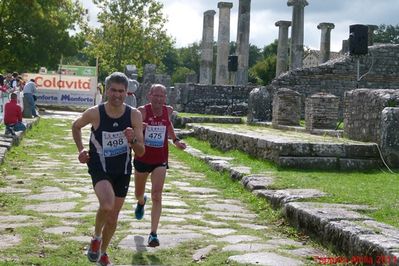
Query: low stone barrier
x=7, y=141
x=181, y=122
x=297, y=153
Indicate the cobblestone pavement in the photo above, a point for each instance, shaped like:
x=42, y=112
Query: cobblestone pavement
x=191, y=212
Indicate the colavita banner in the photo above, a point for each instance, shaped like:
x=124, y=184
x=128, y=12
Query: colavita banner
x=64, y=90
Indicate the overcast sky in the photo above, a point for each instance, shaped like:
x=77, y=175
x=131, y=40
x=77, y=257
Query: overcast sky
x=185, y=18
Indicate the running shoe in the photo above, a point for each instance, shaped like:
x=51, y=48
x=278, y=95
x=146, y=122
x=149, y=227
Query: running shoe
x=139, y=211
x=104, y=261
x=93, y=254
x=153, y=240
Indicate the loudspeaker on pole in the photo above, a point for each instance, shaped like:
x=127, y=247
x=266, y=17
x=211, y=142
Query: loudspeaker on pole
x=232, y=63
x=358, y=39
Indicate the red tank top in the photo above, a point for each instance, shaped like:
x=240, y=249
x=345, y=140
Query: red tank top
x=155, y=137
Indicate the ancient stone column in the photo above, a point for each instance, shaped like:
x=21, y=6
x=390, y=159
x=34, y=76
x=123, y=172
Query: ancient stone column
x=325, y=41
x=297, y=32
x=371, y=30
x=222, y=74
x=207, y=48
x=242, y=50
x=345, y=47
x=282, y=48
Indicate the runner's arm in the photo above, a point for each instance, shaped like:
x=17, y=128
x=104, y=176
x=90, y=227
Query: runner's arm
x=88, y=117
x=137, y=143
x=171, y=132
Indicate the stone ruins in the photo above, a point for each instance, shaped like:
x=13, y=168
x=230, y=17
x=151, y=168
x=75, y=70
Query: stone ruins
x=324, y=96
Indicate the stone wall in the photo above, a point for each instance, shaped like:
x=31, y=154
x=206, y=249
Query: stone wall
x=362, y=117
x=339, y=75
x=210, y=99
x=390, y=136
x=286, y=108
x=321, y=111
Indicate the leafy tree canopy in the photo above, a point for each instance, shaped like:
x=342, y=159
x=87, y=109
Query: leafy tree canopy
x=37, y=32
x=131, y=32
x=387, y=34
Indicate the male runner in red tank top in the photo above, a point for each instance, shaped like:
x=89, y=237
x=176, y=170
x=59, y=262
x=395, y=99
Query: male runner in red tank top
x=157, y=130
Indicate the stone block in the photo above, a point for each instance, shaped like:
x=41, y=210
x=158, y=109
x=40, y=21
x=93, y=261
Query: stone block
x=390, y=136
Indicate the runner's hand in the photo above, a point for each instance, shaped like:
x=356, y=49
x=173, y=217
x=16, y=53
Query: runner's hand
x=129, y=134
x=180, y=144
x=84, y=156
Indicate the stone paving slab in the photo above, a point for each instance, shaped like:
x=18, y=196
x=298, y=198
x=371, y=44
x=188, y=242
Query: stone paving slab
x=278, y=198
x=139, y=243
x=265, y=258
x=52, y=206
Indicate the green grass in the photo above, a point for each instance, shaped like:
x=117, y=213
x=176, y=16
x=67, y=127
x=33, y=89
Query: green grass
x=375, y=188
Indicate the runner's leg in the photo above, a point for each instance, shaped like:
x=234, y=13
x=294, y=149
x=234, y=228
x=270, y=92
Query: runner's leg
x=157, y=180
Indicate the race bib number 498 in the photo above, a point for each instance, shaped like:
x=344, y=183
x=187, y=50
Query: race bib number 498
x=154, y=136
x=114, y=143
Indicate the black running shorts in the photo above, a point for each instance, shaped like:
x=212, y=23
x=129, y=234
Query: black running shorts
x=120, y=183
x=147, y=168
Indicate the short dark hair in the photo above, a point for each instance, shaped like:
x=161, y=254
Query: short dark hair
x=116, y=77
x=15, y=74
x=32, y=80
x=14, y=95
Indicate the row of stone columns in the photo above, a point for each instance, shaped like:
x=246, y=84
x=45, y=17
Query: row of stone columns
x=242, y=50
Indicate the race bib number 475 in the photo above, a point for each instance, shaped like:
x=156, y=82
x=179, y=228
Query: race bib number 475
x=114, y=143
x=154, y=136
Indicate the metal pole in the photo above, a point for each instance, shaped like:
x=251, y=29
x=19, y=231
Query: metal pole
x=358, y=73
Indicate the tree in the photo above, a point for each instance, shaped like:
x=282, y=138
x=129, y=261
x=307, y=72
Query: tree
x=36, y=33
x=180, y=74
x=387, y=34
x=264, y=71
x=131, y=32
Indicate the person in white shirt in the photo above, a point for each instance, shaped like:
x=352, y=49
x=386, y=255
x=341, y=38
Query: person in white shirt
x=29, y=92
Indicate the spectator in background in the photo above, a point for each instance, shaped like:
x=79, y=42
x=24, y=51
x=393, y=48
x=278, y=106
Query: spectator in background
x=13, y=115
x=14, y=82
x=3, y=86
x=29, y=92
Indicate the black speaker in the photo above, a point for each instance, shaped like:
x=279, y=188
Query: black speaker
x=358, y=39
x=232, y=63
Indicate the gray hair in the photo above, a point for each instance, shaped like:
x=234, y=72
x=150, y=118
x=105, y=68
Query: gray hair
x=157, y=86
x=116, y=77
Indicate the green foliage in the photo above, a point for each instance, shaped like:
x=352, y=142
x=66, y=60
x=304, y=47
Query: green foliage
x=391, y=103
x=131, y=32
x=36, y=33
x=180, y=74
x=387, y=34
x=264, y=71
x=270, y=50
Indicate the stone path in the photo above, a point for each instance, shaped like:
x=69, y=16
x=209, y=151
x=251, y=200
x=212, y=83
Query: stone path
x=193, y=212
